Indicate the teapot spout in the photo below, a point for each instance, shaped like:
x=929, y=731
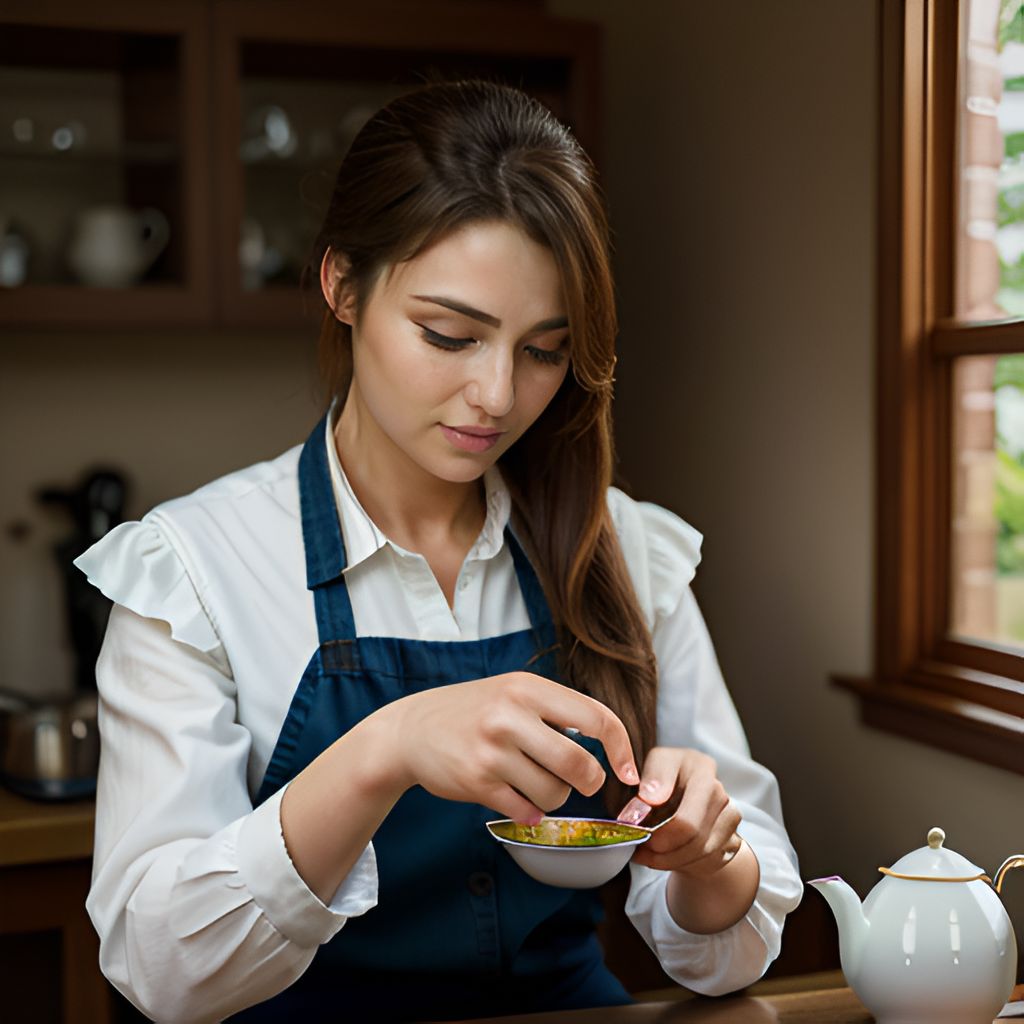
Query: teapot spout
x=853, y=925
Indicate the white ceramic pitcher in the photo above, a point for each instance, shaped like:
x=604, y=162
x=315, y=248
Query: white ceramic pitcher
x=113, y=246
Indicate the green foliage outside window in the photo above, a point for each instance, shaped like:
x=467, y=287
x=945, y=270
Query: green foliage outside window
x=1011, y=188
x=1011, y=22
x=1008, y=384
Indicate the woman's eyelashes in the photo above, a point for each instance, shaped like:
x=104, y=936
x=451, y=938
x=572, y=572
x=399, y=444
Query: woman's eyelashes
x=443, y=341
x=543, y=355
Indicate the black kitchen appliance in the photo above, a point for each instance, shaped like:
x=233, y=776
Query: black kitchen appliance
x=49, y=749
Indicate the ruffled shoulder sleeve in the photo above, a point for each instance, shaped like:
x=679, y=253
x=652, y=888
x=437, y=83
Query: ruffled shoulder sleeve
x=137, y=566
x=661, y=550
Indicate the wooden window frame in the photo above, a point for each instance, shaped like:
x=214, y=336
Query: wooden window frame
x=964, y=698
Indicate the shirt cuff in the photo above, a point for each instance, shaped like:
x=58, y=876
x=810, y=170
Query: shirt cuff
x=279, y=890
x=740, y=954
x=707, y=964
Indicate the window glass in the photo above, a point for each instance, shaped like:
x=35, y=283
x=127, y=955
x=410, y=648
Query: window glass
x=990, y=243
x=988, y=500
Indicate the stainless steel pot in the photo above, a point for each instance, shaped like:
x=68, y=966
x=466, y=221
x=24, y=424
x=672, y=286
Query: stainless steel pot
x=49, y=750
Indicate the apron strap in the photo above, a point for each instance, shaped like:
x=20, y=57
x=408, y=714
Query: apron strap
x=321, y=528
x=323, y=540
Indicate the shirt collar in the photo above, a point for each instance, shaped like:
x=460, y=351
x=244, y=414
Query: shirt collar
x=364, y=538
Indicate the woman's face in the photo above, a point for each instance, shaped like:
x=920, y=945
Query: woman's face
x=459, y=350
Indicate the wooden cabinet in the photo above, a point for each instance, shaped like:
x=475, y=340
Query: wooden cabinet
x=202, y=136
x=49, y=953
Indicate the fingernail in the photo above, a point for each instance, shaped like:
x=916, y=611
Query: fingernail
x=634, y=812
x=629, y=773
x=651, y=786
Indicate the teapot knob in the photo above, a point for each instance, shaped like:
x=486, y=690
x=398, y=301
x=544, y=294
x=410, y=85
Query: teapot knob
x=935, y=838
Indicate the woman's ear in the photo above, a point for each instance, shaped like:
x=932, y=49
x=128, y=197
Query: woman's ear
x=339, y=296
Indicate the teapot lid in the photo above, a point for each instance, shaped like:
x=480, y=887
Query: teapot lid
x=934, y=863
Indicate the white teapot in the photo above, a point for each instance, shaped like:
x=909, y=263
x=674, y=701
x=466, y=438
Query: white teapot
x=932, y=943
x=113, y=246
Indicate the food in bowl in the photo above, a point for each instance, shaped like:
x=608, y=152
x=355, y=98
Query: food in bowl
x=569, y=832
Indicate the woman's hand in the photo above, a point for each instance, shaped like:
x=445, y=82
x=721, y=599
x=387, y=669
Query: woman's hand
x=496, y=742
x=714, y=875
x=700, y=838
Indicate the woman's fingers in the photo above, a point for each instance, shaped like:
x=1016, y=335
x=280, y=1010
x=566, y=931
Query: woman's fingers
x=704, y=799
x=567, y=708
x=517, y=730
x=470, y=741
x=702, y=867
x=504, y=800
x=701, y=834
x=703, y=854
x=564, y=758
x=664, y=770
x=535, y=783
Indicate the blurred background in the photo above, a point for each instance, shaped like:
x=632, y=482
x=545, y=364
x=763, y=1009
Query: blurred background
x=162, y=170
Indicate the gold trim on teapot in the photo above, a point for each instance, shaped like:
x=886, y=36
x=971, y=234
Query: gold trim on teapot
x=934, y=878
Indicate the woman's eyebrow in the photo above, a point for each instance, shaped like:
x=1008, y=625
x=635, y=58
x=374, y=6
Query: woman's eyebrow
x=485, y=318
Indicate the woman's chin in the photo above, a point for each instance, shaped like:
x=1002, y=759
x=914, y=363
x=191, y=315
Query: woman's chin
x=457, y=467
x=462, y=471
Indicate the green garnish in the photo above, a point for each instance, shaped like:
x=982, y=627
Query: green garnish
x=562, y=832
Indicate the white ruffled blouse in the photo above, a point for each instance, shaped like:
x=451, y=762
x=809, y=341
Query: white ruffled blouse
x=199, y=909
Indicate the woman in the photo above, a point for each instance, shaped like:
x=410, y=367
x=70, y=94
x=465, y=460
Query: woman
x=446, y=571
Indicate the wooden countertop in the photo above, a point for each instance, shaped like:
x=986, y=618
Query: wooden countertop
x=34, y=831
x=828, y=1002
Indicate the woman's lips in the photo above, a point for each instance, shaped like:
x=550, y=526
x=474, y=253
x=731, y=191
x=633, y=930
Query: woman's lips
x=470, y=439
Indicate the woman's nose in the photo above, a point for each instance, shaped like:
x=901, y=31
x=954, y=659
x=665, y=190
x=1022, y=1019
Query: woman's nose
x=492, y=386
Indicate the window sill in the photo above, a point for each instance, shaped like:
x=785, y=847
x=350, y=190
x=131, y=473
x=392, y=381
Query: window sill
x=941, y=720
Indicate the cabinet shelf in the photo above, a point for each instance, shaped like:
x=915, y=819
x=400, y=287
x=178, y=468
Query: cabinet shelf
x=155, y=154
x=84, y=307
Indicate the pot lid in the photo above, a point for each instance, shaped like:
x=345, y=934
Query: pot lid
x=934, y=863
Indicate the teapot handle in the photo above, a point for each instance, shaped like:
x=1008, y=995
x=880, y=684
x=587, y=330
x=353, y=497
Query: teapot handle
x=1016, y=861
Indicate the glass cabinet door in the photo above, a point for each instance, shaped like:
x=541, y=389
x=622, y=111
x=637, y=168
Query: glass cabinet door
x=294, y=133
x=292, y=98
x=98, y=204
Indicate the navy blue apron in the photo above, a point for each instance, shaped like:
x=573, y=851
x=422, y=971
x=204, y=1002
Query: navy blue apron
x=459, y=930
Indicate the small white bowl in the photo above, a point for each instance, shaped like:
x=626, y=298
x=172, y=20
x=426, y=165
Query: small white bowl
x=571, y=867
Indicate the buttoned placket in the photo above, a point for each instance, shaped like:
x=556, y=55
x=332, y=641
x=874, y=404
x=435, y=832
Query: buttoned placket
x=429, y=606
x=469, y=584
x=469, y=595
x=433, y=617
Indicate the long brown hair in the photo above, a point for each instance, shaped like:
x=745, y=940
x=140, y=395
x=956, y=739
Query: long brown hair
x=449, y=154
